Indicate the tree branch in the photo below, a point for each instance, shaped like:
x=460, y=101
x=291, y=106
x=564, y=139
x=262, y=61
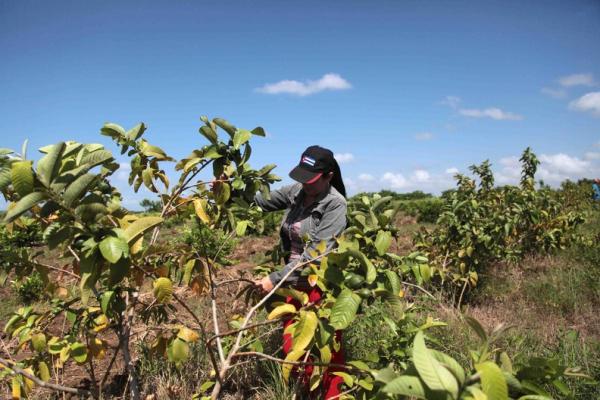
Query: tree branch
x=18, y=371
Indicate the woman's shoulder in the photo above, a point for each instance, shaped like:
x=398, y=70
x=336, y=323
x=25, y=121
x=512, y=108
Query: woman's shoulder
x=336, y=198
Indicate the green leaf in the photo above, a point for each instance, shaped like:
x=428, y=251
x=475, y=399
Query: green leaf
x=258, y=131
x=241, y=136
x=223, y=193
x=393, y=284
x=406, y=385
x=434, y=374
x=22, y=177
x=5, y=178
x=138, y=227
x=113, y=130
x=367, y=265
x=266, y=169
x=344, y=310
x=240, y=228
x=118, y=271
x=163, y=290
x=305, y=330
x=24, y=205
x=38, y=341
x=77, y=189
x=450, y=363
x=90, y=160
x=178, y=351
x=505, y=362
x=476, y=326
x=226, y=126
x=79, y=352
x=209, y=133
x=105, y=300
x=136, y=132
x=294, y=294
x=49, y=165
x=113, y=248
x=492, y=381
x=383, y=242
x=476, y=393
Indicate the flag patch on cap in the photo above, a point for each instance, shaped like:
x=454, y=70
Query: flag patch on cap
x=308, y=160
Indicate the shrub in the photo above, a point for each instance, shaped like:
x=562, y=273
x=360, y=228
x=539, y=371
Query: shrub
x=214, y=244
x=31, y=289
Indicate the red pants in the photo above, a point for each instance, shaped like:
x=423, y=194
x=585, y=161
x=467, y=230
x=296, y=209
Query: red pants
x=330, y=385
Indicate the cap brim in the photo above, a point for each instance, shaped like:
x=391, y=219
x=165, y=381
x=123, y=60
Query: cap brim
x=301, y=175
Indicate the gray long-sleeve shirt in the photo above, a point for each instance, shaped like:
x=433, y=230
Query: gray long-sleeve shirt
x=304, y=227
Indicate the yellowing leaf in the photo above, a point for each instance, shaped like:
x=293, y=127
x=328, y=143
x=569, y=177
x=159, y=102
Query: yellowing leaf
x=97, y=348
x=281, y=310
x=286, y=369
x=16, y=388
x=100, y=323
x=163, y=290
x=305, y=330
x=312, y=280
x=139, y=227
x=43, y=371
x=200, y=208
x=188, y=335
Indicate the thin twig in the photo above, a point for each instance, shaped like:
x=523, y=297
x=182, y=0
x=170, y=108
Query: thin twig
x=229, y=333
x=6, y=350
x=420, y=288
x=64, y=271
x=337, y=396
x=222, y=283
x=18, y=371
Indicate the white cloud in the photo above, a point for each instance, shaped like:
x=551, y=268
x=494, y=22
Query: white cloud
x=344, y=157
x=553, y=168
x=327, y=82
x=394, y=181
x=564, y=164
x=592, y=156
x=452, y=170
x=556, y=93
x=424, y=136
x=451, y=101
x=366, y=177
x=420, y=175
x=577, y=80
x=492, y=112
x=589, y=102
x=123, y=171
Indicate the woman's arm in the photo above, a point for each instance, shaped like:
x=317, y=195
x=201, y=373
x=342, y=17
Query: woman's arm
x=279, y=199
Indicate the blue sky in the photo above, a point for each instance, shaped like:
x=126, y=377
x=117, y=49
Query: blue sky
x=405, y=92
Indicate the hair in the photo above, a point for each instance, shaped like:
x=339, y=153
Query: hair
x=336, y=180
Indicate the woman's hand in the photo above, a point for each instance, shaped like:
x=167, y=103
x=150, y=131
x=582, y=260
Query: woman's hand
x=264, y=284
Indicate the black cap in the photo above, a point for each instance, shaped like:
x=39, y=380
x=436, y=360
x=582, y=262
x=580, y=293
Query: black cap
x=315, y=161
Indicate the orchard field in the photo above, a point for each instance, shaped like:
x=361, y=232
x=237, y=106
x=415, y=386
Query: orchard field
x=486, y=292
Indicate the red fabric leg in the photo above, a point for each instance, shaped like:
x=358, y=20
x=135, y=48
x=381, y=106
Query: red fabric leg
x=331, y=383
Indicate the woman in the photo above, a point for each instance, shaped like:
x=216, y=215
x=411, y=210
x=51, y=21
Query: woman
x=315, y=211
